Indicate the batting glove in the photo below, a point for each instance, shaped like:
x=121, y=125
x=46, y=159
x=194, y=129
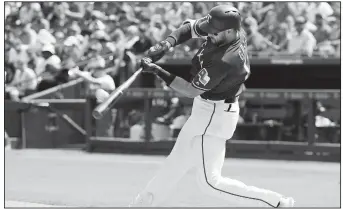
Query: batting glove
x=157, y=51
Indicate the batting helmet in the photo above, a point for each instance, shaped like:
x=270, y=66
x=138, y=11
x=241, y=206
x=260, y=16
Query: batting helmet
x=221, y=18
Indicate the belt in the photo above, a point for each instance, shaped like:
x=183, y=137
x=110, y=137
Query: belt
x=227, y=101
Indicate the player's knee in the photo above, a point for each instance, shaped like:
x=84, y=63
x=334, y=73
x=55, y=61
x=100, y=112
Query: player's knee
x=208, y=180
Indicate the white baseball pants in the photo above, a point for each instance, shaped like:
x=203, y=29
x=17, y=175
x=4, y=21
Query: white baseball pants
x=201, y=144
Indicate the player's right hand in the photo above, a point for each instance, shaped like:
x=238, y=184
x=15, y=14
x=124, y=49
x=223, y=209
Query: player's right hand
x=157, y=51
x=148, y=66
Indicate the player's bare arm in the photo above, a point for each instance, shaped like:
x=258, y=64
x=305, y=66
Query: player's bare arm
x=177, y=83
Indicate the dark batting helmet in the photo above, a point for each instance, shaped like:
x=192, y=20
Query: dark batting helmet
x=221, y=18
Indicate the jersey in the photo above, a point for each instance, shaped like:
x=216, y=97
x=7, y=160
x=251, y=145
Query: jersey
x=221, y=71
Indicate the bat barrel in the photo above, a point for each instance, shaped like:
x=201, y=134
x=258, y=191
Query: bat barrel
x=102, y=108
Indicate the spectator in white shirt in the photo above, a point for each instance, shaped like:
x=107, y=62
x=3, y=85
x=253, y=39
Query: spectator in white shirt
x=24, y=80
x=100, y=83
x=322, y=8
x=18, y=52
x=302, y=42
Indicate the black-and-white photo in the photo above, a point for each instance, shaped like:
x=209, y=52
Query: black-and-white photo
x=172, y=104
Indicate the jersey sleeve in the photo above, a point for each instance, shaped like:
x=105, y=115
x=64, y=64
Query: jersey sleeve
x=195, y=29
x=210, y=76
x=188, y=30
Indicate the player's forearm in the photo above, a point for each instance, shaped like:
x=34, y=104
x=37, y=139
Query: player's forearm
x=177, y=83
x=180, y=35
x=185, y=88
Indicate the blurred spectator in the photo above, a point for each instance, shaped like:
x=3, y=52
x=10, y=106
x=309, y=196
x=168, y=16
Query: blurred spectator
x=136, y=123
x=82, y=31
x=50, y=62
x=302, y=42
x=50, y=65
x=18, y=52
x=24, y=80
x=71, y=52
x=322, y=36
x=297, y=8
x=267, y=27
x=95, y=60
x=157, y=28
x=39, y=23
x=28, y=12
x=322, y=8
x=256, y=41
x=100, y=83
x=281, y=36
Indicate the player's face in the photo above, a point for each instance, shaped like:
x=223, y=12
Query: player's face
x=217, y=38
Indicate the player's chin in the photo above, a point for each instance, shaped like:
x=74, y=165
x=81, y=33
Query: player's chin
x=212, y=40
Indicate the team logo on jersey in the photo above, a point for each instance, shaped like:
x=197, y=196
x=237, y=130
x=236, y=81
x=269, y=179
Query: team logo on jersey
x=203, y=76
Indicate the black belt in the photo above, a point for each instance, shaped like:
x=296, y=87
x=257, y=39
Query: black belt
x=227, y=101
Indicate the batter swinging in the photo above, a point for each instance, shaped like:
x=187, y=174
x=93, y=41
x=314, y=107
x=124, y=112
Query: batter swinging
x=219, y=69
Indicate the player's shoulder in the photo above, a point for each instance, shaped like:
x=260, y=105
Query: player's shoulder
x=237, y=50
x=232, y=54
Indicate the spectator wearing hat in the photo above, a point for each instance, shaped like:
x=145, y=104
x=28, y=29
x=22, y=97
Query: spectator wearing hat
x=96, y=61
x=71, y=52
x=50, y=66
x=24, y=80
x=101, y=37
x=302, y=41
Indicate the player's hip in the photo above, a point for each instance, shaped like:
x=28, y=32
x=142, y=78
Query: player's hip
x=214, y=118
x=203, y=106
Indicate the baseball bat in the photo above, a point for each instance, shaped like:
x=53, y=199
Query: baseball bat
x=102, y=108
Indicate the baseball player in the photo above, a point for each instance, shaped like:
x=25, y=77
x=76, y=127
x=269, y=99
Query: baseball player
x=215, y=81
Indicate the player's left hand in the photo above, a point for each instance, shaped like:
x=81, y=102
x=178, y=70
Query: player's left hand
x=148, y=66
x=157, y=51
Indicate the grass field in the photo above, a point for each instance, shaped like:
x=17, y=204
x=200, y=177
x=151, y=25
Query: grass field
x=78, y=179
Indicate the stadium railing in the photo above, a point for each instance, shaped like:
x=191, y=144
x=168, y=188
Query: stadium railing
x=51, y=130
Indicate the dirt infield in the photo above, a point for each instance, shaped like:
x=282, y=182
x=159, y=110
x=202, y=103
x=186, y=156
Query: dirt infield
x=78, y=179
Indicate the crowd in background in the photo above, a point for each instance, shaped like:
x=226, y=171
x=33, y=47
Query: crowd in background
x=48, y=37
x=103, y=41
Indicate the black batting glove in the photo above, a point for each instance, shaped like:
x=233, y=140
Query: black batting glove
x=157, y=51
